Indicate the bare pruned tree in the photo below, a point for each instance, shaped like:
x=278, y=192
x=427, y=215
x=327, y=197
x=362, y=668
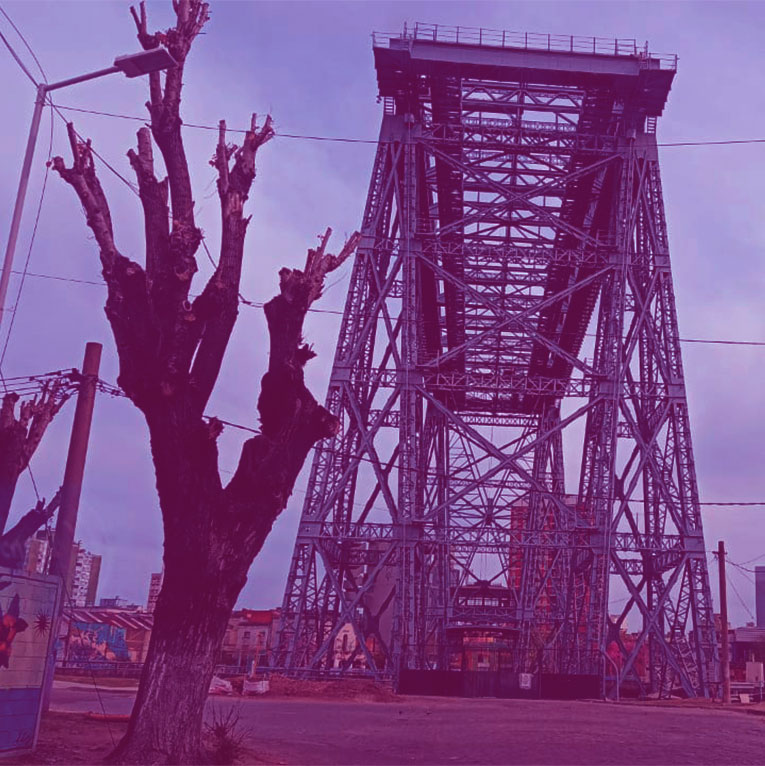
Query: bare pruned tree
x=12, y=542
x=22, y=428
x=170, y=350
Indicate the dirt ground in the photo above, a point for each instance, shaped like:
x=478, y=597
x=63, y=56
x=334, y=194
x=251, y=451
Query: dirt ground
x=76, y=738
x=73, y=738
x=314, y=723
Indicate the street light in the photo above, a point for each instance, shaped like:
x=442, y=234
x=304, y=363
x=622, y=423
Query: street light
x=132, y=65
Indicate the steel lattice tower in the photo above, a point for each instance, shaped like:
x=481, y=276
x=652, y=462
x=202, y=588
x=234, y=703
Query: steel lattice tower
x=510, y=313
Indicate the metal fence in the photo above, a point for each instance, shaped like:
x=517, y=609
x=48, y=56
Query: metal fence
x=99, y=668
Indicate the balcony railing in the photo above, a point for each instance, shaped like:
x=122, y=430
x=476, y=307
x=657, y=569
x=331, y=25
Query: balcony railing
x=498, y=38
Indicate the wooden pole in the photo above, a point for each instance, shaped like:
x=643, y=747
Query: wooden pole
x=66, y=520
x=724, y=648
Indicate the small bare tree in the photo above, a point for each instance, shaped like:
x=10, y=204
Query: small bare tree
x=20, y=435
x=170, y=351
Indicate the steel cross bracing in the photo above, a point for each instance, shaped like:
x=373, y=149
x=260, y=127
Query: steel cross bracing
x=514, y=451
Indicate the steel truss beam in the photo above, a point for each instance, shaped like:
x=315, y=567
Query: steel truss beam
x=513, y=259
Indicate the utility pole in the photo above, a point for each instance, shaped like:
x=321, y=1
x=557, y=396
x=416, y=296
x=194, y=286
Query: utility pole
x=724, y=650
x=66, y=520
x=75, y=464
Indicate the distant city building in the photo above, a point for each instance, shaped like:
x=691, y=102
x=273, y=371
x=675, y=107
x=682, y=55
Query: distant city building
x=759, y=595
x=84, y=568
x=249, y=638
x=747, y=645
x=155, y=585
x=84, y=571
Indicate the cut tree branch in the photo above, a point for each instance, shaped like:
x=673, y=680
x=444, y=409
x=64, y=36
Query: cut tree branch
x=217, y=306
x=292, y=421
x=12, y=542
x=127, y=305
x=164, y=108
x=20, y=436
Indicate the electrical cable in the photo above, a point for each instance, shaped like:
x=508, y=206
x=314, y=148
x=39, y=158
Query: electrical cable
x=735, y=590
x=16, y=57
x=27, y=46
x=742, y=568
x=116, y=391
x=95, y=153
x=259, y=304
x=63, y=279
x=132, y=187
x=349, y=140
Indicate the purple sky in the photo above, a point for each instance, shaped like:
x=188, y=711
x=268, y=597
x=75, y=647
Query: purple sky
x=310, y=65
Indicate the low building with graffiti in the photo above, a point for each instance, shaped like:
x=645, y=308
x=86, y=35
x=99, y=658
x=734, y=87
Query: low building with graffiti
x=104, y=637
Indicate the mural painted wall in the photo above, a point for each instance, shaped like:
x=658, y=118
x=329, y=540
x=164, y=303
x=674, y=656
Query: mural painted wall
x=96, y=642
x=28, y=603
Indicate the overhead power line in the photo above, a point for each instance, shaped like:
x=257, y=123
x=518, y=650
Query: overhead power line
x=350, y=140
x=741, y=600
x=341, y=139
x=259, y=304
x=254, y=304
x=27, y=46
x=16, y=57
x=116, y=391
x=307, y=137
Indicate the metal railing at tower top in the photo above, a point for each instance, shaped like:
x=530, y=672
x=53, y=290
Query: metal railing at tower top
x=537, y=41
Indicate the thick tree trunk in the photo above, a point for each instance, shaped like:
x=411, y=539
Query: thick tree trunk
x=206, y=564
x=190, y=622
x=171, y=349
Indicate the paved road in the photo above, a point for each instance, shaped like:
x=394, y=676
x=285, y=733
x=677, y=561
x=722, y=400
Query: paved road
x=444, y=731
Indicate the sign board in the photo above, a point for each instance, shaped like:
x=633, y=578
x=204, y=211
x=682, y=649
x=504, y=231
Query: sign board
x=28, y=604
x=525, y=680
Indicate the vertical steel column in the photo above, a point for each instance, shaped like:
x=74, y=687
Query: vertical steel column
x=407, y=526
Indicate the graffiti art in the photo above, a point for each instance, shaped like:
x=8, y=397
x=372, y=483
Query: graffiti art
x=10, y=625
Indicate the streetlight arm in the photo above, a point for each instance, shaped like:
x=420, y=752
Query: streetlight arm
x=82, y=78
